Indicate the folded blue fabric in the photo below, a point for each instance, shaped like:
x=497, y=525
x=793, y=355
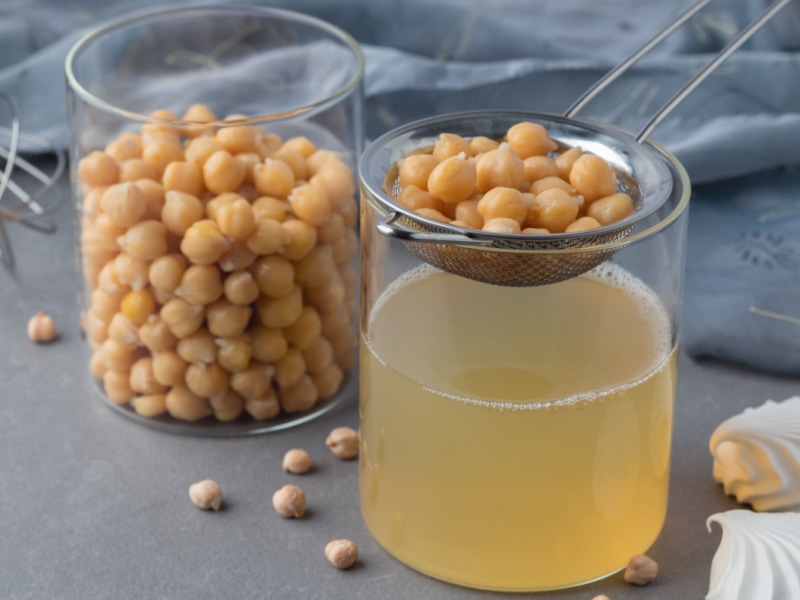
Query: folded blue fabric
x=736, y=134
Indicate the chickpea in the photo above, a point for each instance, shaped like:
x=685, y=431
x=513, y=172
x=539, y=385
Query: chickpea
x=269, y=344
x=134, y=169
x=200, y=284
x=236, y=219
x=237, y=258
x=160, y=130
x=267, y=207
x=290, y=368
x=104, y=305
x=153, y=193
x=344, y=348
x=289, y=502
x=122, y=330
x=143, y=380
x=127, y=145
x=301, y=144
x=415, y=198
x=185, y=405
x=350, y=279
x=553, y=210
x=168, y=367
x=234, y=353
x=310, y=203
x=98, y=168
x=183, y=176
x=332, y=230
x=268, y=143
x=207, y=379
x=467, y=213
x=199, y=149
x=137, y=306
x=108, y=282
x=240, y=288
x=502, y=225
x=147, y=240
x=267, y=237
x=181, y=317
x=295, y=160
x=539, y=167
x=166, y=272
x=582, y=224
x=481, y=145
x=150, y=405
x=203, y=243
x=216, y=203
x=334, y=321
x=327, y=381
x=415, y=170
x=180, y=211
x=453, y=180
x=263, y=408
x=349, y=211
x=124, y=203
x=274, y=178
x=226, y=319
x=91, y=203
x=503, y=202
x=41, y=328
x=343, y=442
x=107, y=232
x=565, y=160
x=530, y=139
x=304, y=332
x=316, y=268
x=593, y=177
x=327, y=296
x=198, y=113
x=336, y=178
x=222, y=172
x=255, y=381
x=206, y=494
x=117, y=356
x=298, y=397
x=499, y=168
x=641, y=570
x=131, y=271
x=546, y=183
x=227, y=406
x=434, y=215
x=96, y=328
x=302, y=238
x=160, y=153
x=280, y=312
x=318, y=356
x=117, y=387
x=296, y=461
x=155, y=335
x=449, y=145
x=197, y=347
x=239, y=138
x=611, y=209
x=274, y=276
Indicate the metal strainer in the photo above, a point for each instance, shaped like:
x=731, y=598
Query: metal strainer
x=650, y=174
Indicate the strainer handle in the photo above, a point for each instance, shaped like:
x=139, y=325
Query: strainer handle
x=389, y=227
x=687, y=89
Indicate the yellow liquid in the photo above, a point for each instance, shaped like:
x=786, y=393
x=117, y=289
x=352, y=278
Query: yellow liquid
x=516, y=438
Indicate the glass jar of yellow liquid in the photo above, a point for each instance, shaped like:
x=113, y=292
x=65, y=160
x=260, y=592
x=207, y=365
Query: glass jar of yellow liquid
x=517, y=437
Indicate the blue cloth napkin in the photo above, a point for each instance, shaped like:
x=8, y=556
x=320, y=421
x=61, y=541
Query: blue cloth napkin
x=737, y=134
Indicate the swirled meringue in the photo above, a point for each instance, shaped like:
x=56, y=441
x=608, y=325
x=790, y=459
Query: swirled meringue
x=757, y=456
x=758, y=557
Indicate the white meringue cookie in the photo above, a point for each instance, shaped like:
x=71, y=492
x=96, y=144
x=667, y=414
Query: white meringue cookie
x=757, y=456
x=758, y=557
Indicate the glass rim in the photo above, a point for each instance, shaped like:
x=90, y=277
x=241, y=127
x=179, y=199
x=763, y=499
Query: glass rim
x=379, y=199
x=234, y=8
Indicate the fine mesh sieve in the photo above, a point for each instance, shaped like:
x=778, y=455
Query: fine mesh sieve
x=653, y=178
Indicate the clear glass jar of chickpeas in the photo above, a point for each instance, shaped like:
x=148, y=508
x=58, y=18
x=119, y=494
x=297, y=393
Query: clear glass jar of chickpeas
x=213, y=154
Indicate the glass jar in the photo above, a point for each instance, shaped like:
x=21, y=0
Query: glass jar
x=213, y=152
x=516, y=432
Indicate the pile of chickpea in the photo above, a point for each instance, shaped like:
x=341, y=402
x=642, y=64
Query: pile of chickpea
x=515, y=186
x=218, y=266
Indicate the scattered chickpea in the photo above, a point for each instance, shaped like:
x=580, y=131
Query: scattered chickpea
x=41, y=328
x=641, y=570
x=296, y=461
x=600, y=597
x=289, y=502
x=343, y=442
x=342, y=554
x=206, y=494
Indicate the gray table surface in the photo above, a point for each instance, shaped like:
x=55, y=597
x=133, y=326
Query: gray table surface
x=95, y=506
